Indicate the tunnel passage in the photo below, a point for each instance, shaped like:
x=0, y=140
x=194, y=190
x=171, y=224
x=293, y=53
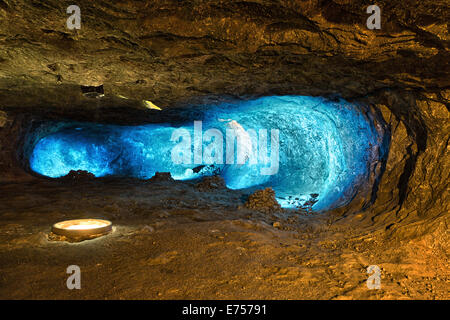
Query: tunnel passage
x=305, y=148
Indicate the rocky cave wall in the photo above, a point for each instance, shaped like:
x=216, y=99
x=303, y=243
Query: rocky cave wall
x=180, y=53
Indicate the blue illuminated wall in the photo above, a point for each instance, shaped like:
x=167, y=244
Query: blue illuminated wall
x=324, y=148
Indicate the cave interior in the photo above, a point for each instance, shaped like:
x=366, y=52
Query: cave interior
x=241, y=149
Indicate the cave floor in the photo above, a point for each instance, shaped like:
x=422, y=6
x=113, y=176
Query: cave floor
x=172, y=241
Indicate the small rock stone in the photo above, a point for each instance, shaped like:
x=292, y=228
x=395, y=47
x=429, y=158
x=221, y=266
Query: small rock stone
x=78, y=176
x=263, y=201
x=161, y=176
x=211, y=183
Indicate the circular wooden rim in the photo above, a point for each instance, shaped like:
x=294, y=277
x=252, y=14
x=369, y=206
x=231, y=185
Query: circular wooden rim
x=60, y=228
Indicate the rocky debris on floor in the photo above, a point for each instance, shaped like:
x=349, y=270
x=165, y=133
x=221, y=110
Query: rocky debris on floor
x=211, y=183
x=306, y=207
x=205, y=170
x=301, y=205
x=161, y=176
x=263, y=201
x=77, y=176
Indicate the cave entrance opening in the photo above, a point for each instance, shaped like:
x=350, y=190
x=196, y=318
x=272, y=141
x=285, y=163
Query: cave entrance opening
x=305, y=148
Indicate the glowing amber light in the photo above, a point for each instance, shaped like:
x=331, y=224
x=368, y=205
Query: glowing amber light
x=82, y=228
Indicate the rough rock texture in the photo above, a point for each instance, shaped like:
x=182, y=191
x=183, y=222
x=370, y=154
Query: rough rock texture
x=211, y=183
x=162, y=177
x=77, y=176
x=178, y=54
x=263, y=200
x=167, y=52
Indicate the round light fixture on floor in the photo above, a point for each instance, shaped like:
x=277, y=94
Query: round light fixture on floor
x=82, y=228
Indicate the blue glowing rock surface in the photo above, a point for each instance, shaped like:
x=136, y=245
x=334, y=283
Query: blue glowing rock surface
x=324, y=148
